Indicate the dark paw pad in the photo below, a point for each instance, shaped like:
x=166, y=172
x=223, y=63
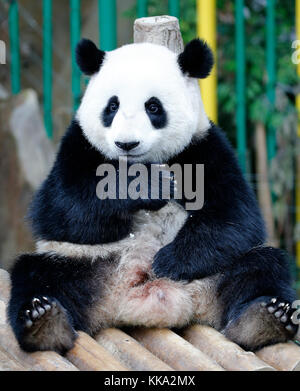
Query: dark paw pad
x=283, y=312
x=39, y=308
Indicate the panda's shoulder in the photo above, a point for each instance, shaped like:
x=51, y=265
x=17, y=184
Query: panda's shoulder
x=76, y=154
x=211, y=148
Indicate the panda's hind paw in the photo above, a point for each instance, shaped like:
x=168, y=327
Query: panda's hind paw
x=283, y=312
x=38, y=310
x=45, y=324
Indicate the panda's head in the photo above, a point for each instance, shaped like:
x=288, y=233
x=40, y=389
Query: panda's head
x=143, y=101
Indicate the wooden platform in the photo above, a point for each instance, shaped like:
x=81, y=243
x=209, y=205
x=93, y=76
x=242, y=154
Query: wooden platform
x=198, y=348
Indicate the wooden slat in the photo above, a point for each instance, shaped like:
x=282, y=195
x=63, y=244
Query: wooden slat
x=282, y=356
x=174, y=350
x=130, y=352
x=88, y=355
x=226, y=353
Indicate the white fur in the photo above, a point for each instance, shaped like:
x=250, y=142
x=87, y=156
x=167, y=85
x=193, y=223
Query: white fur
x=132, y=294
x=135, y=73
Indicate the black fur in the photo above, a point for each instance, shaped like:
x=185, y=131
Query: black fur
x=110, y=111
x=70, y=281
x=228, y=225
x=197, y=59
x=88, y=57
x=262, y=271
x=156, y=113
x=66, y=207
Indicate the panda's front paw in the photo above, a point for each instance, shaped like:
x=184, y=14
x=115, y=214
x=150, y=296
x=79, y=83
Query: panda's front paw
x=168, y=264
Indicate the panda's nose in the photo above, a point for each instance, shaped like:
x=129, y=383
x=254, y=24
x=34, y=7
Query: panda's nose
x=127, y=146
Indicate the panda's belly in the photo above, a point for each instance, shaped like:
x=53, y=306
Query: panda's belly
x=132, y=295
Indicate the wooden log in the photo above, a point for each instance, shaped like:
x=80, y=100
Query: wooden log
x=88, y=355
x=7, y=363
x=282, y=356
x=38, y=361
x=3, y=319
x=174, y=350
x=161, y=30
x=129, y=351
x=51, y=361
x=226, y=353
x=4, y=285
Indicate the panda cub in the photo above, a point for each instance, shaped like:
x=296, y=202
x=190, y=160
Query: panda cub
x=147, y=262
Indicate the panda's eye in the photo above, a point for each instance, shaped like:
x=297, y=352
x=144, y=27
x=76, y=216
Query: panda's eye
x=153, y=108
x=156, y=112
x=113, y=106
x=110, y=111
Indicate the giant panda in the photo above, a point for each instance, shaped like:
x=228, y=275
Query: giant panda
x=121, y=262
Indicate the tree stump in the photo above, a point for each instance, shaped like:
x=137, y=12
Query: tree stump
x=160, y=30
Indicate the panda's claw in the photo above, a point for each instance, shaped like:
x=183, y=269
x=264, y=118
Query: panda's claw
x=28, y=321
x=34, y=314
x=46, y=304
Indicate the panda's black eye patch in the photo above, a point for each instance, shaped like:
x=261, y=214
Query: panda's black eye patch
x=110, y=111
x=156, y=113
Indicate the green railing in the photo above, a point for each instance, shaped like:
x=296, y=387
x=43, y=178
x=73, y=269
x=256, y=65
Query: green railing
x=14, y=47
x=75, y=37
x=47, y=65
x=271, y=72
x=241, y=137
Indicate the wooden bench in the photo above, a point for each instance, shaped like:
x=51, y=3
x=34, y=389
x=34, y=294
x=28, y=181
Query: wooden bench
x=197, y=348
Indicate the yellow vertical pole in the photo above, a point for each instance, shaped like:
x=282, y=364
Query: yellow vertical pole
x=206, y=29
x=298, y=159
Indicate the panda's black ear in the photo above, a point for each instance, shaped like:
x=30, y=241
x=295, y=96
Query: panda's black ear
x=88, y=57
x=197, y=59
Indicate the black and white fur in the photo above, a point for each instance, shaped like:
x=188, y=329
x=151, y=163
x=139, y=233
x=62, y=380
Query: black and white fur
x=103, y=263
